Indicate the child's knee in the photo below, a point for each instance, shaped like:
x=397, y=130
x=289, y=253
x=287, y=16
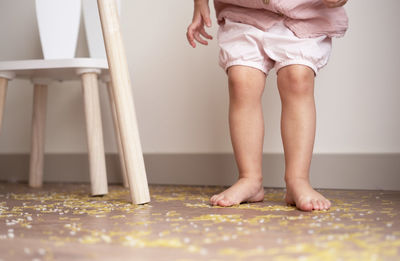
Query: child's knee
x=296, y=80
x=244, y=84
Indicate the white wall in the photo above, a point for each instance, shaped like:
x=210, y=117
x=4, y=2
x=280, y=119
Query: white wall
x=181, y=94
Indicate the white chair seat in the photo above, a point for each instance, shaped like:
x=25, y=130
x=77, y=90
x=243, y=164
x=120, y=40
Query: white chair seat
x=56, y=69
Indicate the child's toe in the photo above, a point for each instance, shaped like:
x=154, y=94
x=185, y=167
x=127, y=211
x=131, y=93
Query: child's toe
x=212, y=199
x=317, y=205
x=320, y=204
x=314, y=204
x=217, y=199
x=327, y=204
x=224, y=202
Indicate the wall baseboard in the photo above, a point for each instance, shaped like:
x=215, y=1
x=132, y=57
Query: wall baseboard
x=340, y=171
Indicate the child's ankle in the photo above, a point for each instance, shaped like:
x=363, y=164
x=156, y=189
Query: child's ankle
x=258, y=179
x=294, y=179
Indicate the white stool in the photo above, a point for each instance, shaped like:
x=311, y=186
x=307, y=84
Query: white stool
x=58, y=22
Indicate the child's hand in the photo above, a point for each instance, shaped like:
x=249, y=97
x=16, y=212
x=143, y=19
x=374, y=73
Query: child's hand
x=334, y=3
x=201, y=16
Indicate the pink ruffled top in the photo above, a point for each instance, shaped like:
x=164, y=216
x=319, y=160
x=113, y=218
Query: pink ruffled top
x=306, y=18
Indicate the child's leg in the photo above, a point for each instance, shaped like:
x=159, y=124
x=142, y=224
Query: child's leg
x=296, y=89
x=246, y=86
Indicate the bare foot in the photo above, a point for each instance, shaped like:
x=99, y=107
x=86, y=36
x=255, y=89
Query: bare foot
x=300, y=193
x=244, y=190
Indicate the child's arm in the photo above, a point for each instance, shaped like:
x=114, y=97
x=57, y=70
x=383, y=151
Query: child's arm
x=334, y=3
x=201, y=16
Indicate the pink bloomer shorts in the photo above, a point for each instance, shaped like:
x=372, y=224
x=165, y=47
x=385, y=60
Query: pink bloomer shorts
x=243, y=44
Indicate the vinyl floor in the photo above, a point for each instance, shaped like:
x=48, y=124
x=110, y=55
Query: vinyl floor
x=62, y=222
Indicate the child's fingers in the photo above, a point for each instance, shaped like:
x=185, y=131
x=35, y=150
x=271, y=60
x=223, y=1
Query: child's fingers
x=206, y=19
x=199, y=39
x=196, y=29
x=205, y=34
x=205, y=14
x=193, y=27
x=194, y=34
x=190, y=35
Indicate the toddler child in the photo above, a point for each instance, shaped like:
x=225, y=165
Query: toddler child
x=294, y=37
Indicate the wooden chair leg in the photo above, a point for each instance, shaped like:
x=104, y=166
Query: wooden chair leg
x=3, y=93
x=117, y=135
x=94, y=131
x=124, y=101
x=38, y=135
